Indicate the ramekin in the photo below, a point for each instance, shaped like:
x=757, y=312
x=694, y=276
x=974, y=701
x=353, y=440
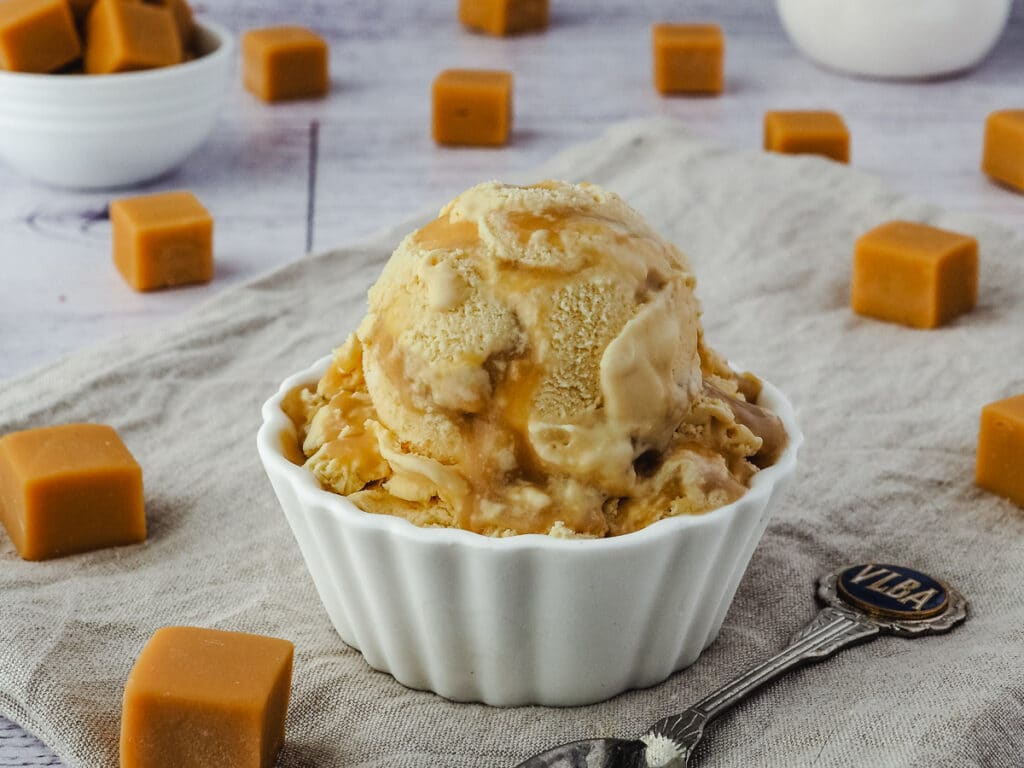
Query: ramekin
x=102, y=131
x=527, y=619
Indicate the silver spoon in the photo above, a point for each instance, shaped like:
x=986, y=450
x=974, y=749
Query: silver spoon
x=862, y=602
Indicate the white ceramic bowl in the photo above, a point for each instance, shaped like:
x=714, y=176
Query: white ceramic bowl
x=527, y=619
x=100, y=131
x=895, y=38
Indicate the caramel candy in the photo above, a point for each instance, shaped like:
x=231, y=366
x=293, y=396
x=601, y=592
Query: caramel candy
x=914, y=274
x=162, y=240
x=183, y=17
x=123, y=37
x=504, y=17
x=1000, y=467
x=688, y=58
x=472, y=107
x=1003, y=159
x=204, y=698
x=68, y=489
x=281, y=63
x=807, y=133
x=37, y=35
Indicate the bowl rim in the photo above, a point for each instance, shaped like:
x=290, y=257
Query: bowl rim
x=225, y=47
x=312, y=495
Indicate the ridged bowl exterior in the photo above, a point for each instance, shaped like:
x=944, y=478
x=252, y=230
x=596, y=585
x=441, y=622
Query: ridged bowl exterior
x=527, y=619
x=102, y=131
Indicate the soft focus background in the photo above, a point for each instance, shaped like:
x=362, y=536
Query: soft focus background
x=282, y=180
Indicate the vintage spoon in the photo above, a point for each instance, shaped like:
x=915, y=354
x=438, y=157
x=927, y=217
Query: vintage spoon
x=862, y=602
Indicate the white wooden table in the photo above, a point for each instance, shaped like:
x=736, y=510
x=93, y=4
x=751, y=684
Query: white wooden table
x=374, y=159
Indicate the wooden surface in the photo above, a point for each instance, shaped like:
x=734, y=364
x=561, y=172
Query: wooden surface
x=374, y=161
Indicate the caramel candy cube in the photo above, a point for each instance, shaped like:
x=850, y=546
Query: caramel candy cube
x=37, y=35
x=1000, y=467
x=807, y=133
x=914, y=274
x=1003, y=158
x=688, y=58
x=472, y=107
x=69, y=489
x=81, y=8
x=123, y=37
x=162, y=240
x=281, y=63
x=504, y=17
x=183, y=17
x=204, y=698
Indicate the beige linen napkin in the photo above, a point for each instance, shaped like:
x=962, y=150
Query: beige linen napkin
x=890, y=416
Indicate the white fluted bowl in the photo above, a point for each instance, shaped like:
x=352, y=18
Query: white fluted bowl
x=527, y=619
x=103, y=131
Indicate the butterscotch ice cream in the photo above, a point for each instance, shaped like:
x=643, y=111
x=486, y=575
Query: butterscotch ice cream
x=533, y=362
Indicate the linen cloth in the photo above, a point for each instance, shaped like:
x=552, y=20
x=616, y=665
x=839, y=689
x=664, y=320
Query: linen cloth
x=886, y=475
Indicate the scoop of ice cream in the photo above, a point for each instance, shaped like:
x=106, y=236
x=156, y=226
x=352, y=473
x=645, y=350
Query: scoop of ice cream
x=533, y=361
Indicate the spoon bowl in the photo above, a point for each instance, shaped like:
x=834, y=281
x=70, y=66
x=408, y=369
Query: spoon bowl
x=592, y=753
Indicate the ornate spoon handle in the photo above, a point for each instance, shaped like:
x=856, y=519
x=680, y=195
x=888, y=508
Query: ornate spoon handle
x=829, y=631
x=862, y=601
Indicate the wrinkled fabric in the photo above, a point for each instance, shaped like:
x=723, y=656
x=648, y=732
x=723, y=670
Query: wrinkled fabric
x=886, y=475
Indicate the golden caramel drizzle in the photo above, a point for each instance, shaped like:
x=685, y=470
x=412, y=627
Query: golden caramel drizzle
x=445, y=234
